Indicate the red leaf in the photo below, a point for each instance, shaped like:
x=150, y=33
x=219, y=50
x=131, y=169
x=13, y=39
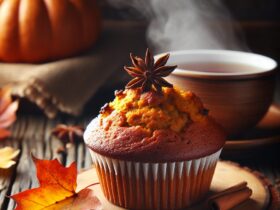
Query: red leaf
x=57, y=189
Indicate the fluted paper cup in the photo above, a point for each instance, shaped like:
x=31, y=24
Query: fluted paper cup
x=169, y=185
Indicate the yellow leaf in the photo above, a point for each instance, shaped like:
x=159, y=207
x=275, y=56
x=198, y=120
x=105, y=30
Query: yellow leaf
x=7, y=154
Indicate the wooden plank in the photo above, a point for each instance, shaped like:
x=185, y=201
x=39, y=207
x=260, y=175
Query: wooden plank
x=54, y=143
x=7, y=176
x=48, y=139
x=32, y=142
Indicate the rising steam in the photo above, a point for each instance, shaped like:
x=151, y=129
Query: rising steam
x=186, y=24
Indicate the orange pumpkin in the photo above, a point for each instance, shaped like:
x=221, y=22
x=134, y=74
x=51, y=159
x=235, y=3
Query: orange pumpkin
x=43, y=30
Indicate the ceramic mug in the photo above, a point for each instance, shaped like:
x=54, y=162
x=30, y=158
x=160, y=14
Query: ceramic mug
x=237, y=87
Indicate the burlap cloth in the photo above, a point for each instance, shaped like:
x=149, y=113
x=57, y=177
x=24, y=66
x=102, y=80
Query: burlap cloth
x=66, y=85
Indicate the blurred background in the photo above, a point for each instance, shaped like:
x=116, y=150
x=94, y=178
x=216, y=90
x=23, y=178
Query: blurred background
x=250, y=25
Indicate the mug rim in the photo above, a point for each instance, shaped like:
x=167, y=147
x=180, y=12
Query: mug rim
x=246, y=58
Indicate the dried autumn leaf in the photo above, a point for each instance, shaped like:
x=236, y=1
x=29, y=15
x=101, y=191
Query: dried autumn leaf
x=84, y=200
x=57, y=189
x=8, y=110
x=7, y=154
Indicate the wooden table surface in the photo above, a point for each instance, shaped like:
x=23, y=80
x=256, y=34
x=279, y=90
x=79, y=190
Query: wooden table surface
x=32, y=134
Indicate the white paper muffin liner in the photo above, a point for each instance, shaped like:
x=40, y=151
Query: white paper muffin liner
x=170, y=185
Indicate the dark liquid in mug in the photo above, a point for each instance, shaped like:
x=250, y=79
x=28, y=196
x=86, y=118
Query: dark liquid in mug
x=219, y=67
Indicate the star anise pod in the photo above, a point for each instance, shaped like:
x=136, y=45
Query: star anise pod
x=68, y=133
x=147, y=73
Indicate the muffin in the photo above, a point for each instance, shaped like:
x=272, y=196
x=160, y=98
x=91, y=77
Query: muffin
x=154, y=146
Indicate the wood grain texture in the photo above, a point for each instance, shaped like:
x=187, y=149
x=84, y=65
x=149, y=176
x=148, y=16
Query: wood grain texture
x=32, y=134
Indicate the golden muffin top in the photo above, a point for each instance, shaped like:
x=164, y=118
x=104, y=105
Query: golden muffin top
x=172, y=109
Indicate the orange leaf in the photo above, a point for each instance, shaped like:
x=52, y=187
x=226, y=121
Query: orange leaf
x=84, y=200
x=5, y=98
x=57, y=189
x=4, y=133
x=51, y=172
x=8, y=110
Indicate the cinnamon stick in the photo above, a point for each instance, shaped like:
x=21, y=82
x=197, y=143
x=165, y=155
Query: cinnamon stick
x=230, y=197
